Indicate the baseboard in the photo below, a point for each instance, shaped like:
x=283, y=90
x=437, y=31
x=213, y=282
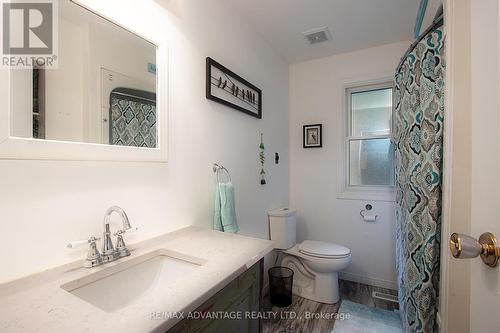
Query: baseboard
x=368, y=280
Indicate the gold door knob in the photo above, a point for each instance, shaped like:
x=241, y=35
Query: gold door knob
x=463, y=247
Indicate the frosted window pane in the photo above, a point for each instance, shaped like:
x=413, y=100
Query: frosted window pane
x=371, y=112
x=371, y=162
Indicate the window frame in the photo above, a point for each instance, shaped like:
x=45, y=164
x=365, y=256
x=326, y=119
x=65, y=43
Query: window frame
x=361, y=192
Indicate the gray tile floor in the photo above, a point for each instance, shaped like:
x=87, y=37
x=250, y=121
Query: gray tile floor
x=314, y=317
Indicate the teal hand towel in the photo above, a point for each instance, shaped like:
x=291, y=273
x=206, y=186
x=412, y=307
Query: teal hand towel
x=217, y=212
x=224, y=210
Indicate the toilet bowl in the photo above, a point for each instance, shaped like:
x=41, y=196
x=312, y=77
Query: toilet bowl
x=315, y=264
x=316, y=274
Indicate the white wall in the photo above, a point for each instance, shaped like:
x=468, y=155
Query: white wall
x=45, y=204
x=485, y=157
x=316, y=91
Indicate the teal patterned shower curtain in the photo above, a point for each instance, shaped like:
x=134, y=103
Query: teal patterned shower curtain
x=418, y=139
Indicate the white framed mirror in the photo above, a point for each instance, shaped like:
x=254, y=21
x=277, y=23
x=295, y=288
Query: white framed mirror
x=105, y=100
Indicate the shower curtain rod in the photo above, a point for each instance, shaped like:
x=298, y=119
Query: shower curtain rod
x=435, y=24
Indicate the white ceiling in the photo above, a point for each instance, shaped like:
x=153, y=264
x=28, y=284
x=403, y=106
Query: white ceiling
x=354, y=24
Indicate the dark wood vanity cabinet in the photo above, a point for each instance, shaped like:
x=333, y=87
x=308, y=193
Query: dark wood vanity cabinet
x=235, y=308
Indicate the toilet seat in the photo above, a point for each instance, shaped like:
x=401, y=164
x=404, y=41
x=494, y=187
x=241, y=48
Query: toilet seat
x=323, y=250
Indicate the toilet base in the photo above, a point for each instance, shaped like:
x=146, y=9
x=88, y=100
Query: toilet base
x=318, y=287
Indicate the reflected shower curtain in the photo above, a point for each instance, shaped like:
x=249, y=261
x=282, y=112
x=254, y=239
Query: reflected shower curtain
x=418, y=138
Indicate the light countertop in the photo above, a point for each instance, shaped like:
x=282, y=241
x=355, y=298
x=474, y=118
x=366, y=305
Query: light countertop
x=38, y=303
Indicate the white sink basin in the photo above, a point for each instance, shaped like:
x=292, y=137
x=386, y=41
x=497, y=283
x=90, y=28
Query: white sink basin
x=125, y=282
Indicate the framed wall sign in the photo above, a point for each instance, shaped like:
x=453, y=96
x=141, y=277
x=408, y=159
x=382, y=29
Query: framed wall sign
x=313, y=136
x=226, y=87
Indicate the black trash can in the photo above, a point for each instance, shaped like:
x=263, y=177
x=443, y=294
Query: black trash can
x=280, y=285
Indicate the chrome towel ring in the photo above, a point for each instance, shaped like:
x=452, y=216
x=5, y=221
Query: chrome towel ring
x=218, y=170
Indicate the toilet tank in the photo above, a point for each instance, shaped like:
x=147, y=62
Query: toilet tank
x=283, y=227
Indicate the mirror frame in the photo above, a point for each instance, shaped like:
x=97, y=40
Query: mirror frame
x=16, y=148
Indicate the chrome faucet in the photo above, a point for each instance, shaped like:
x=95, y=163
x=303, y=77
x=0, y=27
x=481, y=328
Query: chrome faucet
x=108, y=252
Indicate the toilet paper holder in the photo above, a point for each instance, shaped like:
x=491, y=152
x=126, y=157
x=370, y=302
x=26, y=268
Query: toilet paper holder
x=363, y=212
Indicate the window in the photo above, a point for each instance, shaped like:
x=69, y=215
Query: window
x=368, y=147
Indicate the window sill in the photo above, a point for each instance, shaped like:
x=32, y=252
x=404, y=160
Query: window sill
x=382, y=195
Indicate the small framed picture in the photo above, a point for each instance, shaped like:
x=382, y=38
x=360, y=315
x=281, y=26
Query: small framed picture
x=312, y=136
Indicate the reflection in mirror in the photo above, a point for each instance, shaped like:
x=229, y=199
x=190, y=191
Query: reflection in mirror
x=103, y=91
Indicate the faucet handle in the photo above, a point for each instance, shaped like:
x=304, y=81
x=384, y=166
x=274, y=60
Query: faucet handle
x=93, y=256
x=91, y=240
x=121, y=248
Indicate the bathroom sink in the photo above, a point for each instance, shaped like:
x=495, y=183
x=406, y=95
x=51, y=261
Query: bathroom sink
x=122, y=283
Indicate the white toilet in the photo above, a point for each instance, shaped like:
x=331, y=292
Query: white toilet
x=315, y=264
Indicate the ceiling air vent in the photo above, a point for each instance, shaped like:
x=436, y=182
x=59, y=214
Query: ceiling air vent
x=317, y=35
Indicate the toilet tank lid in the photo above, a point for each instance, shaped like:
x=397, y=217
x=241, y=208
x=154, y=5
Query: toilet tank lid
x=285, y=211
x=323, y=248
